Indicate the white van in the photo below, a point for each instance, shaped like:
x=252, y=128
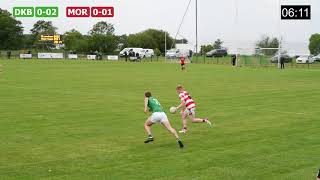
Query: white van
x=147, y=53
x=128, y=50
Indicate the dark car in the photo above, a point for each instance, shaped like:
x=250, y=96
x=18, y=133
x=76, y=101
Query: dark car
x=284, y=57
x=217, y=53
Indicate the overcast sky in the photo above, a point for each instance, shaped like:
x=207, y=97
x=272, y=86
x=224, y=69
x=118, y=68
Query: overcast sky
x=217, y=18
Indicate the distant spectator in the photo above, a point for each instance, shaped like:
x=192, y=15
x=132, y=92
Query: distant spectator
x=9, y=54
x=126, y=55
x=233, y=60
x=138, y=56
x=99, y=56
x=282, y=63
x=131, y=53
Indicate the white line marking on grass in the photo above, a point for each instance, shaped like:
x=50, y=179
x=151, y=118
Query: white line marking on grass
x=286, y=112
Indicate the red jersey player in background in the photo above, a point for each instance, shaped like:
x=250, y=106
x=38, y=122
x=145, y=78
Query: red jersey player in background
x=182, y=62
x=188, y=109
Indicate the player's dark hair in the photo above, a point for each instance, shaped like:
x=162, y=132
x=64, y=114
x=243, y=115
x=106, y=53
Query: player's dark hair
x=147, y=94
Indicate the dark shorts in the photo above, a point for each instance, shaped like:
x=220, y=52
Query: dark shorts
x=182, y=64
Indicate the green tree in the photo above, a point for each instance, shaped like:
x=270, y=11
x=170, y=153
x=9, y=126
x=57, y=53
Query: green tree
x=151, y=38
x=27, y=41
x=123, y=41
x=206, y=48
x=217, y=44
x=11, y=31
x=103, y=43
x=102, y=38
x=142, y=40
x=102, y=27
x=75, y=41
x=268, y=42
x=157, y=52
x=42, y=27
x=314, y=44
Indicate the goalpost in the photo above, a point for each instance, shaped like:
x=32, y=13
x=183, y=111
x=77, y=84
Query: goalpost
x=279, y=48
x=278, y=53
x=256, y=56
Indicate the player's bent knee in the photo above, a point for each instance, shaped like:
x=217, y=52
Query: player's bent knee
x=148, y=123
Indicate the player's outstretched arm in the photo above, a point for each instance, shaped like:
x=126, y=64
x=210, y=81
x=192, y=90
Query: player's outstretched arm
x=181, y=105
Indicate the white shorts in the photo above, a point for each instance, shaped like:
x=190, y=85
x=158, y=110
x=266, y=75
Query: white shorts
x=190, y=112
x=159, y=117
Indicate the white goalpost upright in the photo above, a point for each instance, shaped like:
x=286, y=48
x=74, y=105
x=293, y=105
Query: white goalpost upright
x=165, y=46
x=279, y=31
x=279, y=53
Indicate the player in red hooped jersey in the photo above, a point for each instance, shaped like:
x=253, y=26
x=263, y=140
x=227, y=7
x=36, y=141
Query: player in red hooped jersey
x=182, y=62
x=188, y=109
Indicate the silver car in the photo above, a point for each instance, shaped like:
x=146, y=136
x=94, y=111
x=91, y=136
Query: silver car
x=317, y=58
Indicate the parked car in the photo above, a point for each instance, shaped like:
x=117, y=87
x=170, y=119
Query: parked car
x=147, y=53
x=286, y=58
x=217, y=53
x=171, y=53
x=176, y=53
x=317, y=58
x=305, y=59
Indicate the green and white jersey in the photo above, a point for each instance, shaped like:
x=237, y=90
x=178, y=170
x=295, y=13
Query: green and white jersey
x=154, y=105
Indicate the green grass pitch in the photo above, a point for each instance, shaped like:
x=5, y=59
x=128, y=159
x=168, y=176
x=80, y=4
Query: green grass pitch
x=84, y=120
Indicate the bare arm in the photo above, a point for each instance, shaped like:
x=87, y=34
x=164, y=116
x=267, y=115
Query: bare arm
x=146, y=109
x=183, y=104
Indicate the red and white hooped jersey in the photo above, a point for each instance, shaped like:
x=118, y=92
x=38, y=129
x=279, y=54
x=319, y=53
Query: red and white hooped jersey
x=186, y=98
x=182, y=59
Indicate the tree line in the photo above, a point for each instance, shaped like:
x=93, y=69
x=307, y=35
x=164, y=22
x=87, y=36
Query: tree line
x=264, y=42
x=102, y=38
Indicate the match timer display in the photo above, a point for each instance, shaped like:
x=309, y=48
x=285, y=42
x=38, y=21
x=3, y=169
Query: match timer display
x=295, y=12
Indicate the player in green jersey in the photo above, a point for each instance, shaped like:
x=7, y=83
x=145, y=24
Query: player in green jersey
x=158, y=116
